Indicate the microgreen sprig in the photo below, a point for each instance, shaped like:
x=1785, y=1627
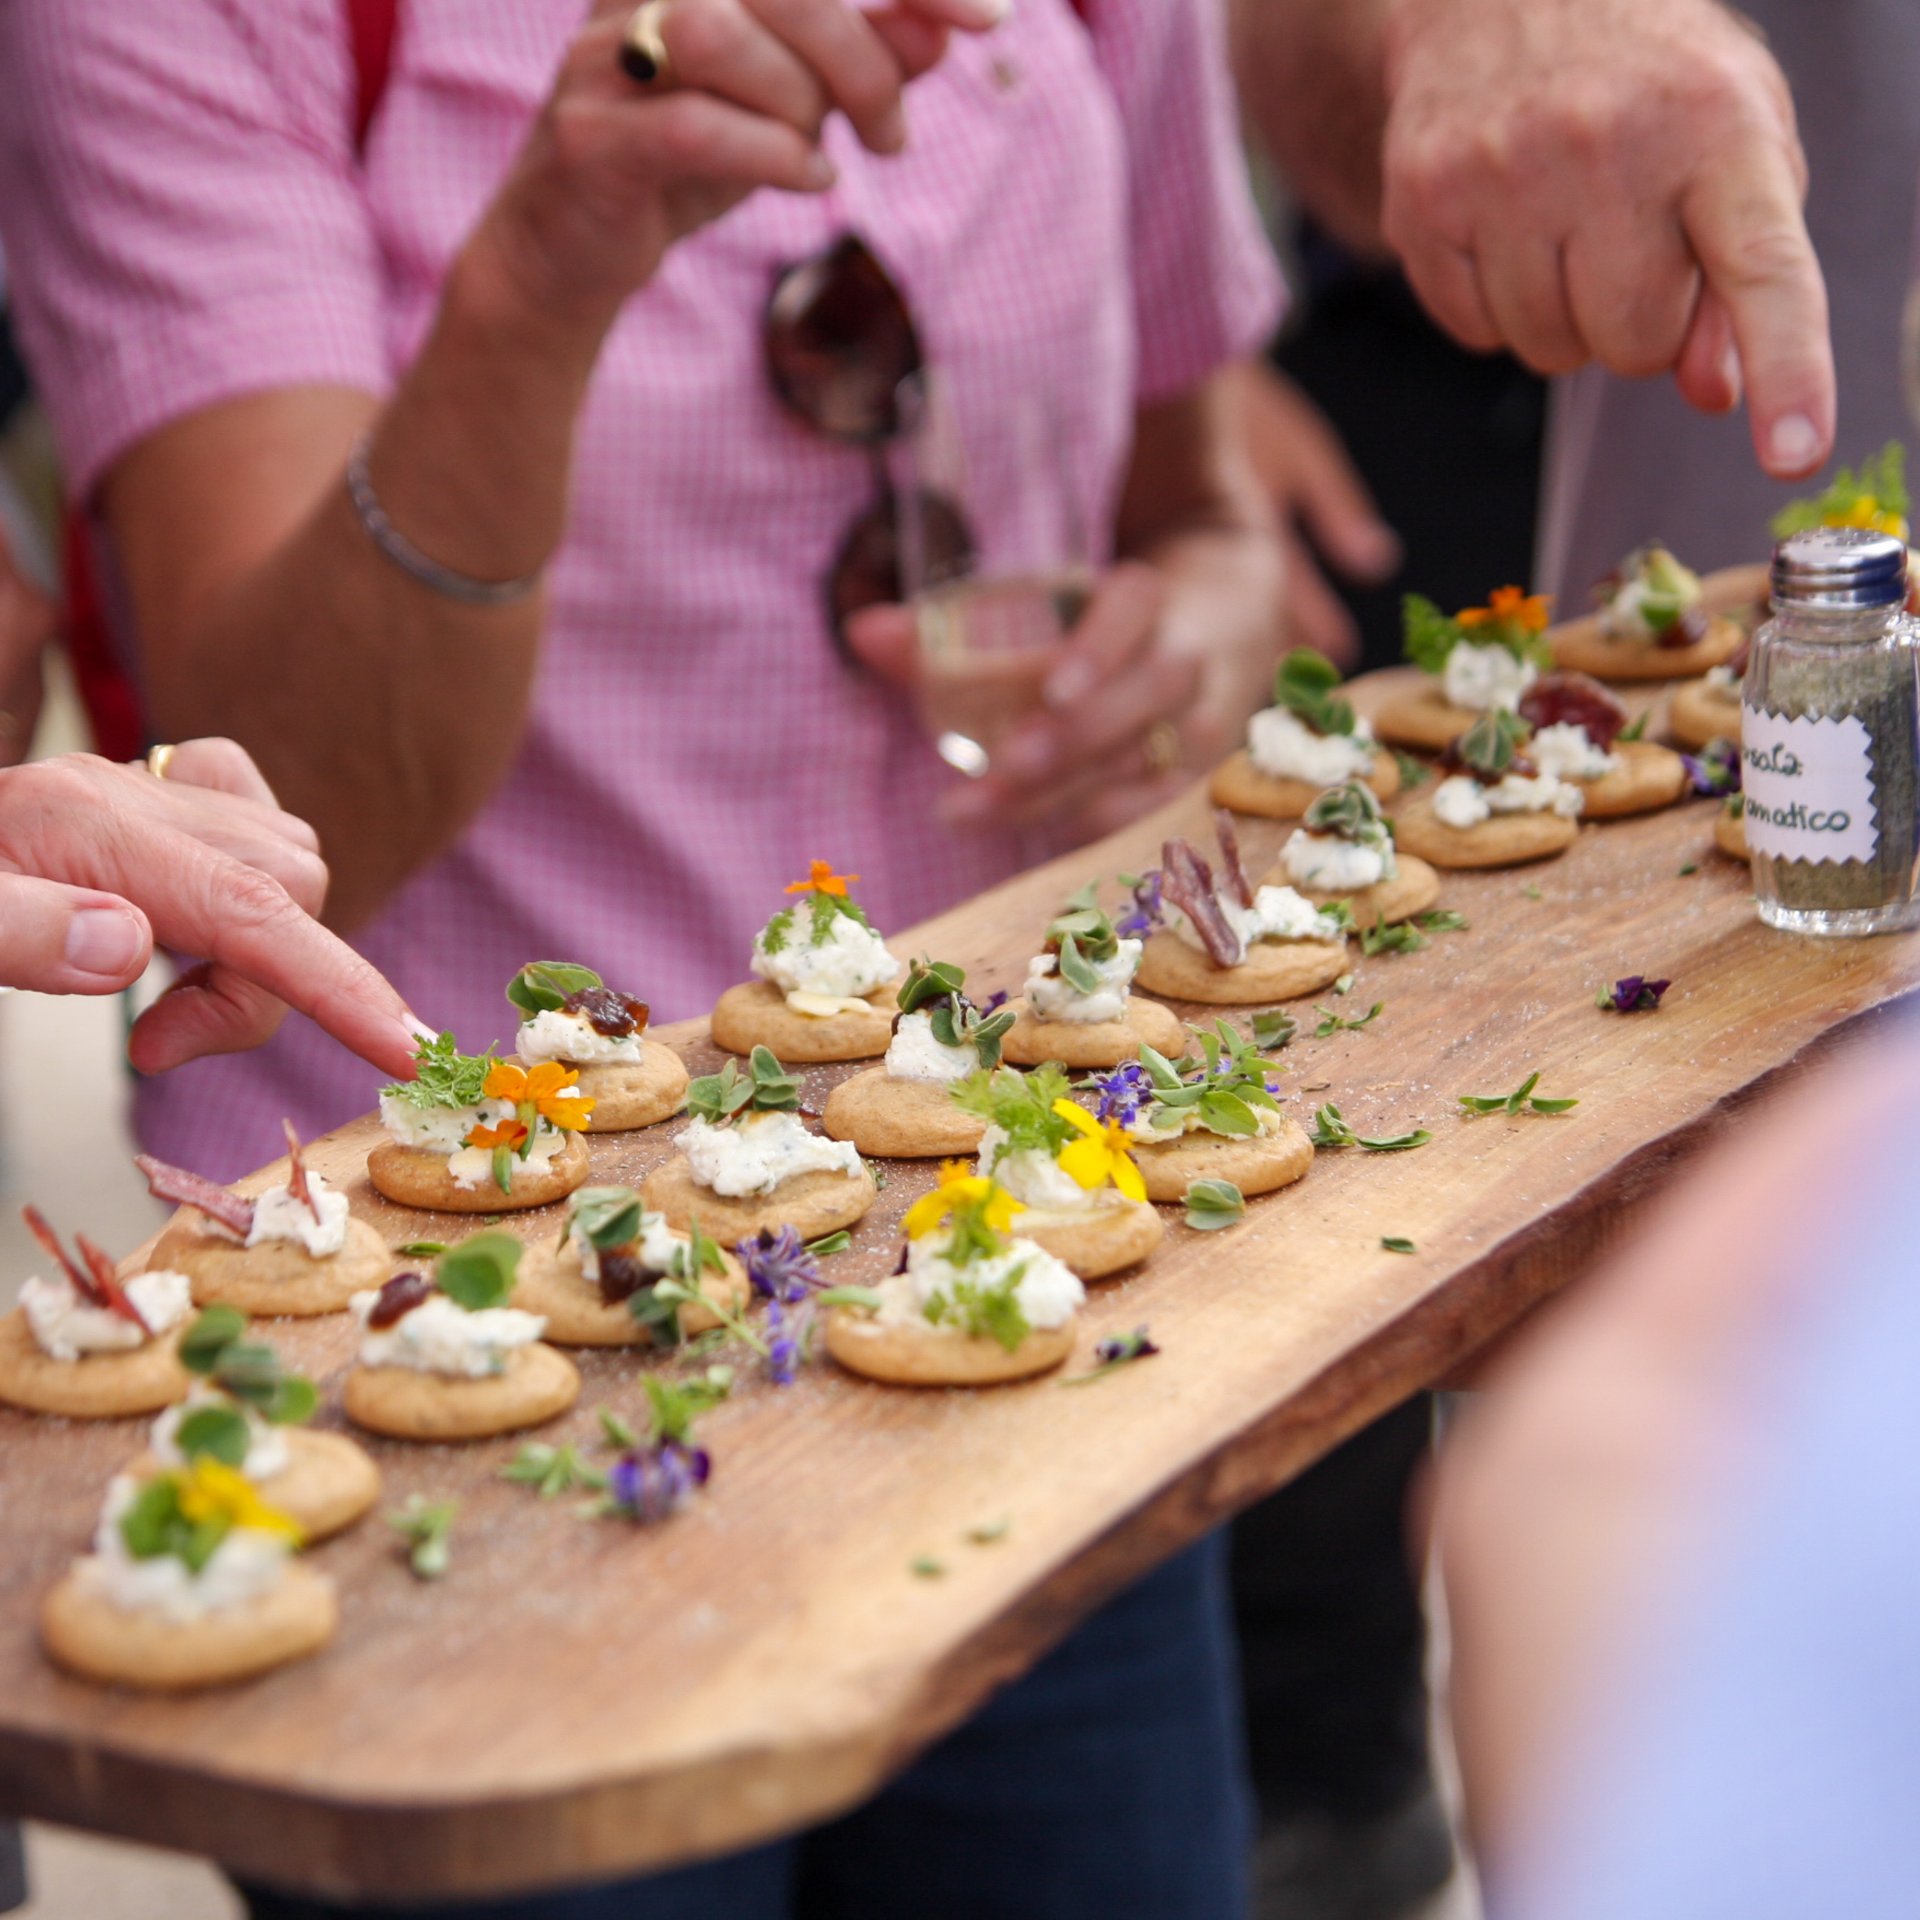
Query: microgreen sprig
x=765, y=1087
x=1332, y=1023
x=1331, y=1130
x=550, y=1471
x=426, y=1528
x=1521, y=1100
x=1213, y=1205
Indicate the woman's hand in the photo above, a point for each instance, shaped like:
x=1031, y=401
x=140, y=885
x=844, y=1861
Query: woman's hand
x=614, y=173
x=99, y=863
x=28, y=620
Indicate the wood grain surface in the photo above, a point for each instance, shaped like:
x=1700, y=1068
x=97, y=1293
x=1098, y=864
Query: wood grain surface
x=582, y=1698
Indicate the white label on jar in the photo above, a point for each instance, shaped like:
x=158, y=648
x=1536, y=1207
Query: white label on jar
x=1809, y=787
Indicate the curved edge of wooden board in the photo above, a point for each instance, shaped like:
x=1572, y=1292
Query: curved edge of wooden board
x=603, y=1830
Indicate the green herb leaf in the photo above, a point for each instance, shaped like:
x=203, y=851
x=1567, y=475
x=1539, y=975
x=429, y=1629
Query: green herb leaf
x=422, y=1249
x=1021, y=1105
x=862, y=1299
x=544, y=986
x=1533, y=892
x=1413, y=773
x=1881, y=479
x=219, y=1431
x=1636, y=729
x=991, y=1312
x=929, y=980
x=924, y=1566
x=479, y=1272
x=1493, y=742
x=212, y=1332
x=444, y=1076
x=1692, y=866
x=1441, y=920
x=1274, y=1030
x=990, y=1532
x=1427, y=634
x=552, y=1470
x=1381, y=938
x=616, y=1432
x=427, y=1528
x=829, y=1244
x=676, y=1405
x=1521, y=1100
x=1076, y=971
x=605, y=1217
x=1213, y=1204
x=1331, y=1130
x=1331, y=1023
x=1393, y=1243
x=1349, y=812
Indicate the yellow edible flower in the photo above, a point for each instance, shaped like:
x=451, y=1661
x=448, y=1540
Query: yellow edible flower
x=962, y=1191
x=1528, y=611
x=540, y=1088
x=823, y=879
x=212, y=1490
x=1866, y=511
x=1102, y=1155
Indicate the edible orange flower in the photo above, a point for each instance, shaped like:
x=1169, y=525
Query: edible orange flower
x=509, y=1134
x=540, y=1089
x=823, y=879
x=1528, y=611
x=961, y=1190
x=1102, y=1153
x=209, y=1489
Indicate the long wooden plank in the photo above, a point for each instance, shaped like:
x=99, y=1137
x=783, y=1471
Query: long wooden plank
x=578, y=1699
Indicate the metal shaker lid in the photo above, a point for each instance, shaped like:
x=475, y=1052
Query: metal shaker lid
x=1841, y=569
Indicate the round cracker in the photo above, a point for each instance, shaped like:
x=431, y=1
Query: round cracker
x=900, y=1119
x=1730, y=835
x=1099, y=1240
x=550, y=1282
x=406, y=1404
x=418, y=1177
x=1239, y=785
x=97, y=1386
x=930, y=1356
x=1262, y=1164
x=1100, y=1043
x=1701, y=713
x=1506, y=840
x=756, y=1014
x=1425, y=718
x=1648, y=778
x=90, y=1636
x=812, y=1204
x=1273, y=970
x=1581, y=647
x=276, y=1279
x=1413, y=889
x=327, y=1484
x=630, y=1094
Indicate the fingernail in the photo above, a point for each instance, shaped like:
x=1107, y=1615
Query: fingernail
x=1070, y=683
x=417, y=1029
x=821, y=172
x=1730, y=372
x=1794, y=443
x=890, y=132
x=104, y=942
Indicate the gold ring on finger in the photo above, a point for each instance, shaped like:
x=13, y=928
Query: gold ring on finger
x=644, y=58
x=1163, y=749
x=159, y=759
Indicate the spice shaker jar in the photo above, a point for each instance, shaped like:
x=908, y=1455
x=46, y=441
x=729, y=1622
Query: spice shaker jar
x=1830, y=738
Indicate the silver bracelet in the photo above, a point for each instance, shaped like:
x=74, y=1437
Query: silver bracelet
x=409, y=559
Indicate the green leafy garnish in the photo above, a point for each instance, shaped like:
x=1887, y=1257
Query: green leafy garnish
x=1493, y=742
x=990, y=1532
x=479, y=1272
x=544, y=986
x=1394, y=1243
x=616, y=1432
x=444, y=1076
x=1512, y=621
x=1020, y=1105
x=219, y=1431
x=1441, y=920
x=1331, y=1023
x=1331, y=1130
x=1349, y=812
x=861, y=1299
x=1413, y=773
x=605, y=1217
x=925, y=1566
x=1223, y=1091
x=427, y=1528
x=934, y=986
x=154, y=1525
x=1081, y=936
x=1274, y=1030
x=1213, y=1204
x=422, y=1249
x=676, y=1405
x=1304, y=684
x=248, y=1371
x=1521, y=1100
x=1692, y=866
x=830, y=1243
x=1636, y=728
x=765, y=1087
x=1533, y=892
x=991, y=1311
x=1404, y=937
x=552, y=1470
x=1875, y=497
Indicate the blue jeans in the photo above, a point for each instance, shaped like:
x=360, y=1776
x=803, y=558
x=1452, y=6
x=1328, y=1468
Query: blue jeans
x=1107, y=1784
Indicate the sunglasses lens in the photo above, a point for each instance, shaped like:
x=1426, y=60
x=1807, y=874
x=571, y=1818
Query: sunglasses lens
x=840, y=341
x=866, y=572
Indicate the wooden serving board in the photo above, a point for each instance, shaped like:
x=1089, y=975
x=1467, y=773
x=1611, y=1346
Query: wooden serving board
x=583, y=1698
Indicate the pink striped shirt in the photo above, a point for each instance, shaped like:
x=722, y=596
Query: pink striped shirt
x=186, y=221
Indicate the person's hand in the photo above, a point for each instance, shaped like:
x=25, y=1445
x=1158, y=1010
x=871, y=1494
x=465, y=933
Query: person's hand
x=614, y=173
x=1129, y=682
x=1576, y=1491
x=99, y=863
x=1618, y=181
x=28, y=620
x=1321, y=506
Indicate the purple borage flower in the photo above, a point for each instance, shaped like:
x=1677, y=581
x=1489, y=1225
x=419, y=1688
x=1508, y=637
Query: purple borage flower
x=779, y=1265
x=1635, y=994
x=1119, y=1095
x=1146, y=908
x=992, y=1004
x=1124, y=1347
x=783, y=1343
x=1715, y=769
x=653, y=1483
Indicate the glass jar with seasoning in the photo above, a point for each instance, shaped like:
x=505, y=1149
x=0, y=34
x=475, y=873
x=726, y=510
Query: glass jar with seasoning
x=1830, y=738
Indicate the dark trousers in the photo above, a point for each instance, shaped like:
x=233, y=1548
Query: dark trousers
x=1107, y=1784
x=1332, y=1637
